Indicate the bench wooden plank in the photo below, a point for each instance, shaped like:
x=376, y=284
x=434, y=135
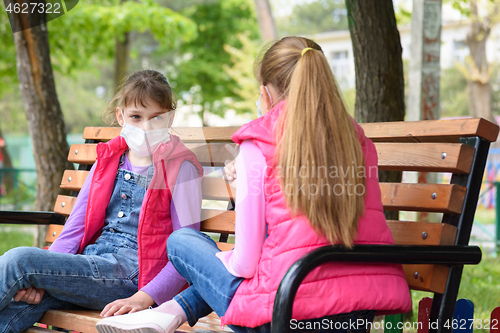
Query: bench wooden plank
x=423, y=157
x=187, y=134
x=73, y=179
x=422, y=233
x=441, y=198
x=86, y=319
x=82, y=153
x=53, y=232
x=395, y=196
x=404, y=232
x=75, y=320
x=216, y=188
x=64, y=204
x=208, y=324
x=431, y=278
x=212, y=154
x=219, y=221
x=449, y=130
x=446, y=130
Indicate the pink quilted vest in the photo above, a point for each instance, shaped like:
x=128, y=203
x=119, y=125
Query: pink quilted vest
x=155, y=223
x=330, y=289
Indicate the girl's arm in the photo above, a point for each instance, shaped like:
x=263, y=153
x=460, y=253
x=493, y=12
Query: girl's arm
x=74, y=228
x=186, y=212
x=250, y=228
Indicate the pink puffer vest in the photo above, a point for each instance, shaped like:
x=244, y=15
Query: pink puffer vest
x=330, y=289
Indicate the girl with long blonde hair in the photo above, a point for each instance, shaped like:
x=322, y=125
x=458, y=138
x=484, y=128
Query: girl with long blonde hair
x=306, y=178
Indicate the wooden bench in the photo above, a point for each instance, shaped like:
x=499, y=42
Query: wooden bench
x=433, y=253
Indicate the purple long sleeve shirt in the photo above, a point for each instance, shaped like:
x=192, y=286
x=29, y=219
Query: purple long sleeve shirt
x=185, y=210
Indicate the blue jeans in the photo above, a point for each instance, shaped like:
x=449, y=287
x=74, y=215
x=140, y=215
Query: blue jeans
x=212, y=287
x=106, y=271
x=90, y=281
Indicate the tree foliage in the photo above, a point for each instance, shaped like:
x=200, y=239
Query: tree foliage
x=83, y=40
x=314, y=17
x=196, y=69
x=88, y=32
x=242, y=72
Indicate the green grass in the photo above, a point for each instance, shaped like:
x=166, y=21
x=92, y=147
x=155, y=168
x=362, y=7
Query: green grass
x=13, y=236
x=485, y=215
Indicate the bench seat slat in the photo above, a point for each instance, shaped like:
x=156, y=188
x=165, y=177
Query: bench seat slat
x=75, y=320
x=86, y=319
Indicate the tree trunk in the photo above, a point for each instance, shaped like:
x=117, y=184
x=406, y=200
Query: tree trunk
x=266, y=20
x=379, y=67
x=122, y=58
x=45, y=119
x=478, y=81
x=7, y=177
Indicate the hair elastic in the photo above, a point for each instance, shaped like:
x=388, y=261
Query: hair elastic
x=305, y=50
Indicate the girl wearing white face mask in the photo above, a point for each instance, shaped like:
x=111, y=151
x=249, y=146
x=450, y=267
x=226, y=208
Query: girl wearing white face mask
x=111, y=254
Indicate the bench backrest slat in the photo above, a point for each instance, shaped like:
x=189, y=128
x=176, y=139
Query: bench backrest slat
x=440, y=198
x=425, y=157
x=449, y=130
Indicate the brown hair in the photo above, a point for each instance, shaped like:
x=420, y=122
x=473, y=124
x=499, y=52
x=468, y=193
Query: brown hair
x=140, y=88
x=315, y=109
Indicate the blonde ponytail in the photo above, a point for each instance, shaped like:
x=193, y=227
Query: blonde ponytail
x=316, y=133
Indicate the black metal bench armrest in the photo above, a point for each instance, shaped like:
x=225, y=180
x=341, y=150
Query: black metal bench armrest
x=402, y=254
x=20, y=217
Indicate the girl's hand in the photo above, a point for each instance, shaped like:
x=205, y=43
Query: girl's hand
x=137, y=302
x=230, y=166
x=31, y=295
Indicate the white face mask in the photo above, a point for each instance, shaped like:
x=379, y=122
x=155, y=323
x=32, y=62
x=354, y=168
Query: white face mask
x=259, y=111
x=144, y=143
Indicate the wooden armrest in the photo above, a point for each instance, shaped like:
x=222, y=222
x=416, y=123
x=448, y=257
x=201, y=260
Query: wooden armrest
x=20, y=217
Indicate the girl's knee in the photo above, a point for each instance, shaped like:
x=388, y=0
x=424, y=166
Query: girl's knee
x=185, y=240
x=179, y=239
x=19, y=254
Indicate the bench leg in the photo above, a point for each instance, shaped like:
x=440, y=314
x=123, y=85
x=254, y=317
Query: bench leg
x=443, y=305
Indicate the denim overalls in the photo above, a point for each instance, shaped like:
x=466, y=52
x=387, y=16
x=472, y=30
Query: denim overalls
x=107, y=270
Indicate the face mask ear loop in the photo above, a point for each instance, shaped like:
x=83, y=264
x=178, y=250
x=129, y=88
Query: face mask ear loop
x=270, y=97
x=169, y=116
